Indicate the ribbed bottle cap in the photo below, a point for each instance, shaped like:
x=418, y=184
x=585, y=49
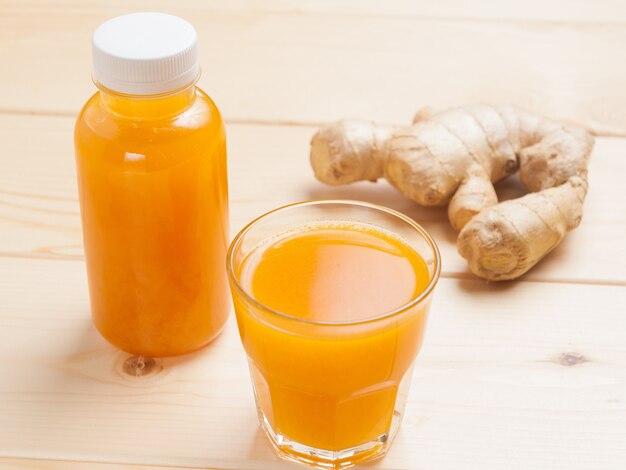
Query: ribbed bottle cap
x=145, y=53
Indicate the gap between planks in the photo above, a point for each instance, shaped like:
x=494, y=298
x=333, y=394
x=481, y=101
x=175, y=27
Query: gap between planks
x=34, y=463
x=466, y=276
x=243, y=121
x=598, y=132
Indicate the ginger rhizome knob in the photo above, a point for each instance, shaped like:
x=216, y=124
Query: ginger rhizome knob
x=454, y=157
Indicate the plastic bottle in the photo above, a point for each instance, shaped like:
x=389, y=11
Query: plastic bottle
x=151, y=166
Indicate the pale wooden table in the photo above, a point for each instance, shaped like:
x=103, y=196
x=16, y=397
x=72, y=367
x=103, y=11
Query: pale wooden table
x=523, y=375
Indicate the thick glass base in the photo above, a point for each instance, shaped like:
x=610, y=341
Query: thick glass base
x=294, y=451
x=329, y=459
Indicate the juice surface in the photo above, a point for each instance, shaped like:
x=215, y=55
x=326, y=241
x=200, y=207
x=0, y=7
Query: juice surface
x=336, y=273
x=153, y=193
x=332, y=386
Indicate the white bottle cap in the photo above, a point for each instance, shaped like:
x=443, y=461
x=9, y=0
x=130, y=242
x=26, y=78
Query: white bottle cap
x=145, y=53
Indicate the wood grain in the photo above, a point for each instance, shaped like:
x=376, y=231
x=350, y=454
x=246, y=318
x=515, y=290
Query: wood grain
x=39, y=215
x=521, y=375
x=288, y=66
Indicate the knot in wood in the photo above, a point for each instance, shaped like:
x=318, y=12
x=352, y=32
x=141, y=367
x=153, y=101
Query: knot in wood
x=139, y=366
x=571, y=359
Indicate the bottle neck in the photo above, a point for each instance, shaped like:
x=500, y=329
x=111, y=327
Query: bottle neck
x=148, y=107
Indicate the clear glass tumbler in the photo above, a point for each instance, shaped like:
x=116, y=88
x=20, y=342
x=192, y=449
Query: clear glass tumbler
x=330, y=393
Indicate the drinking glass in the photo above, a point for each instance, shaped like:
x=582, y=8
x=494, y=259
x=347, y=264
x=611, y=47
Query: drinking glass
x=330, y=393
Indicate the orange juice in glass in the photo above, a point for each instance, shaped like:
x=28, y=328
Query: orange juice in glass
x=331, y=299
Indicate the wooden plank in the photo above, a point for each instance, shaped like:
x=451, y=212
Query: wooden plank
x=41, y=464
x=309, y=67
x=579, y=11
x=269, y=167
x=519, y=375
x=561, y=11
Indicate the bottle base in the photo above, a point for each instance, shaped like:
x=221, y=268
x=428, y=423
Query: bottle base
x=156, y=353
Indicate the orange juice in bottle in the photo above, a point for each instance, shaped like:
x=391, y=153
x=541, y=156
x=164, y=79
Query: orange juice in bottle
x=151, y=166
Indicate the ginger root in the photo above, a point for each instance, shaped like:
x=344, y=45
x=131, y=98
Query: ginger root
x=454, y=157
